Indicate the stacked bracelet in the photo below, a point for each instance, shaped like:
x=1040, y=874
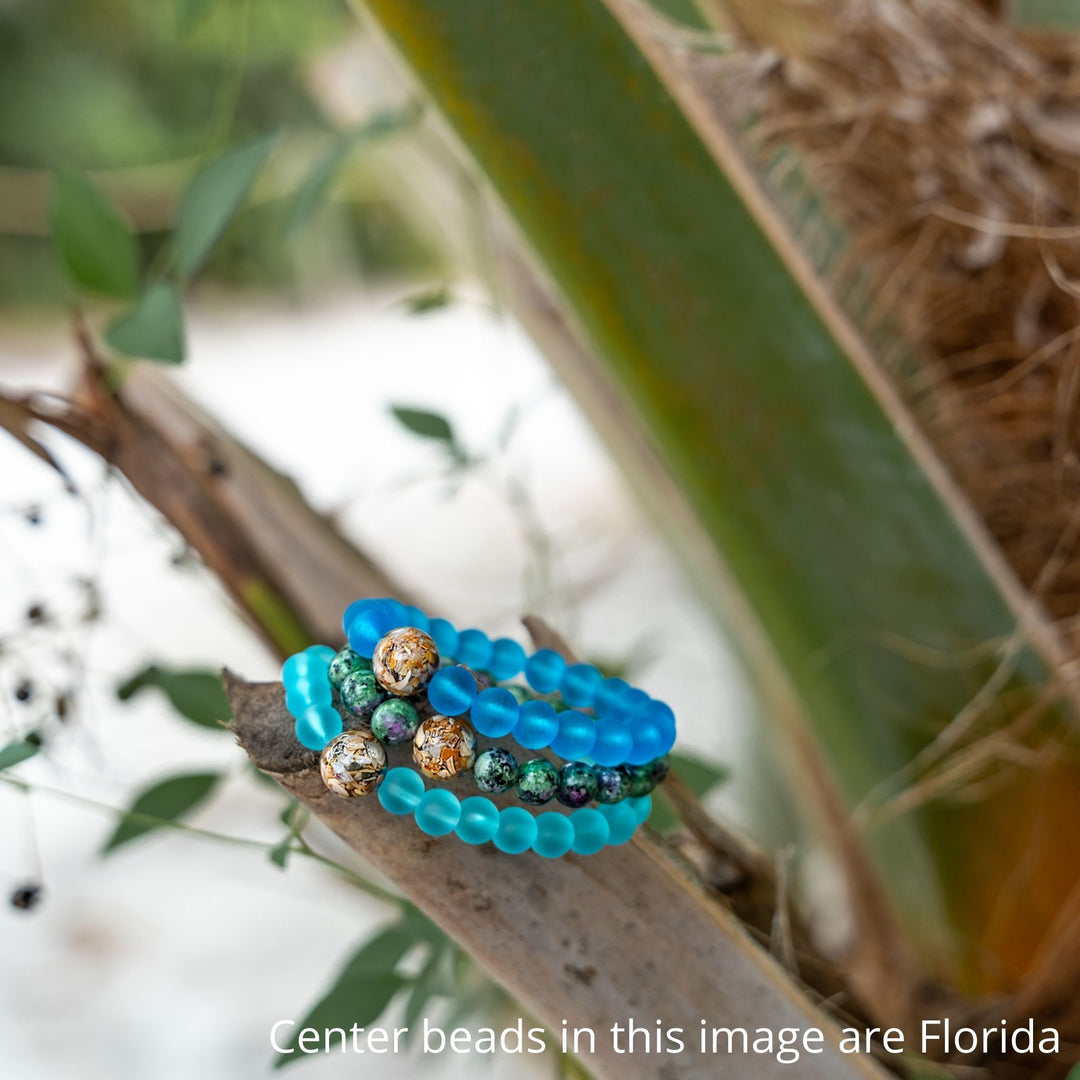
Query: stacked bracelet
x=393, y=655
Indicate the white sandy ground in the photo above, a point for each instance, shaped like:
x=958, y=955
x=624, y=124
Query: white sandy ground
x=171, y=959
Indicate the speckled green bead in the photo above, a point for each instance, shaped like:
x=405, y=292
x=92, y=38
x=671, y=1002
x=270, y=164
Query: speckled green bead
x=537, y=782
x=612, y=783
x=643, y=778
x=577, y=784
x=360, y=693
x=496, y=770
x=394, y=721
x=344, y=664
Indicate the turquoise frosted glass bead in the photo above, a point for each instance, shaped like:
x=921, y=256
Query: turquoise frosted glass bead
x=316, y=689
x=544, y=671
x=401, y=791
x=372, y=623
x=622, y=821
x=661, y=715
x=507, y=658
x=641, y=807
x=613, y=742
x=474, y=649
x=343, y=665
x=446, y=638
x=317, y=725
x=612, y=783
x=607, y=693
x=554, y=835
x=354, y=609
x=516, y=831
x=579, y=684
x=576, y=735
x=537, y=725
x=646, y=746
x=629, y=705
x=415, y=617
x=495, y=770
x=479, y=820
x=494, y=712
x=313, y=659
x=591, y=831
x=537, y=782
x=438, y=813
x=452, y=691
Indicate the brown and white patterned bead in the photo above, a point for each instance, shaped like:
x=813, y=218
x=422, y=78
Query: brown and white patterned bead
x=404, y=661
x=444, y=747
x=353, y=763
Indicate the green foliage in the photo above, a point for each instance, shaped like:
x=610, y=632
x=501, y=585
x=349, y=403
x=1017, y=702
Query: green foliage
x=698, y=775
x=434, y=426
x=160, y=805
x=93, y=238
x=213, y=197
x=195, y=694
x=16, y=752
x=1049, y=14
x=427, y=300
x=153, y=328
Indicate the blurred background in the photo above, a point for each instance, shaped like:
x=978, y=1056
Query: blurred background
x=343, y=327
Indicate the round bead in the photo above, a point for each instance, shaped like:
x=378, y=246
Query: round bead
x=663, y=718
x=576, y=735
x=444, y=746
x=537, y=782
x=405, y=660
x=538, y=724
x=438, y=813
x=344, y=664
x=544, y=671
x=372, y=622
x=415, y=617
x=452, y=690
x=394, y=721
x=577, y=785
x=400, y=790
x=554, y=835
x=446, y=637
x=646, y=743
x=591, y=831
x=516, y=831
x=360, y=693
x=353, y=763
x=642, y=807
x=474, y=649
x=317, y=725
x=479, y=820
x=579, y=684
x=507, y=658
x=612, y=783
x=496, y=770
x=313, y=659
x=494, y=712
x=622, y=821
x=313, y=688
x=607, y=692
x=629, y=705
x=613, y=742
x=643, y=778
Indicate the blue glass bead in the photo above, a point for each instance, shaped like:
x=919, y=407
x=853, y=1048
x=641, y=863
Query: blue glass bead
x=479, y=820
x=607, y=693
x=354, y=609
x=516, y=831
x=323, y=654
x=494, y=712
x=317, y=725
x=579, y=684
x=474, y=649
x=315, y=689
x=438, y=813
x=446, y=637
x=591, y=831
x=507, y=658
x=401, y=790
x=554, y=835
x=576, y=735
x=544, y=671
x=661, y=715
x=629, y=705
x=613, y=742
x=415, y=617
x=372, y=623
x=311, y=661
x=642, y=808
x=647, y=743
x=622, y=821
x=452, y=691
x=538, y=724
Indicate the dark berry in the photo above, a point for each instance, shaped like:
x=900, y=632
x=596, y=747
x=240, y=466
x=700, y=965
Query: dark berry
x=24, y=691
x=25, y=897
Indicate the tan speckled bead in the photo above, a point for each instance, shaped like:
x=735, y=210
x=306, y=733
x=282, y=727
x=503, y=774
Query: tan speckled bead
x=444, y=746
x=404, y=661
x=353, y=764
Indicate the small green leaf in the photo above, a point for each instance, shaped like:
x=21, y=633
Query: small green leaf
x=153, y=329
x=363, y=988
x=279, y=855
x=92, y=237
x=16, y=752
x=427, y=301
x=698, y=775
x=195, y=694
x=429, y=425
x=214, y=195
x=663, y=817
x=160, y=804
